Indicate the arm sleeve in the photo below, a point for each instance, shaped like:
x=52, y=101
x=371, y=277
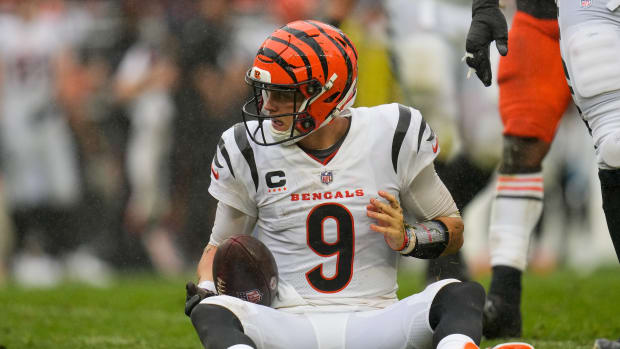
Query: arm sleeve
x=228, y=222
x=427, y=197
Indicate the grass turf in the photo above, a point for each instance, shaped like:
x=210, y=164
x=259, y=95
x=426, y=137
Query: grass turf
x=561, y=310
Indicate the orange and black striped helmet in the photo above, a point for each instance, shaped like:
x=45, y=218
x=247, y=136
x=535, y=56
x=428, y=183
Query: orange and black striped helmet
x=312, y=63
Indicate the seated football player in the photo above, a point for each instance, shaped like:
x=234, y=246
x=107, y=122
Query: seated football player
x=338, y=194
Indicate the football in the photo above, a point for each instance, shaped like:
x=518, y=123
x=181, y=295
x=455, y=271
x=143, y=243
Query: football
x=243, y=267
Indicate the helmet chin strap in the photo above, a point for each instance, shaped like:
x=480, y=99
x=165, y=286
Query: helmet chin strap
x=280, y=135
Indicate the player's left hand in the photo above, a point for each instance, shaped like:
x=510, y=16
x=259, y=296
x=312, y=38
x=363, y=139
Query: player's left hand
x=487, y=24
x=194, y=295
x=390, y=221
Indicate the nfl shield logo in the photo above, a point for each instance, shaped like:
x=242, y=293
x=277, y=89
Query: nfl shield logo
x=327, y=177
x=586, y=3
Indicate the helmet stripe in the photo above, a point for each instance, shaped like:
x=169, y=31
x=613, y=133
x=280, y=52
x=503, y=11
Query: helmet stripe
x=344, y=37
x=344, y=55
x=300, y=53
x=308, y=40
x=267, y=52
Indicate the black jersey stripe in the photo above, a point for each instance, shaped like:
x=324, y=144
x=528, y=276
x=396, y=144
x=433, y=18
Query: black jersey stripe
x=346, y=57
x=222, y=146
x=217, y=161
x=421, y=130
x=300, y=53
x=519, y=197
x=267, y=52
x=313, y=45
x=404, y=119
x=246, y=150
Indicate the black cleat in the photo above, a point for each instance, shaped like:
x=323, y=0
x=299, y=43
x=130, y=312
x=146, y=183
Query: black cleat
x=500, y=319
x=606, y=344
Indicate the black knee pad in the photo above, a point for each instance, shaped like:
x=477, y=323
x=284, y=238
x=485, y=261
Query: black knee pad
x=457, y=308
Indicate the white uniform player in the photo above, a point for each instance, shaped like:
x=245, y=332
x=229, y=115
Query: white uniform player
x=40, y=164
x=304, y=177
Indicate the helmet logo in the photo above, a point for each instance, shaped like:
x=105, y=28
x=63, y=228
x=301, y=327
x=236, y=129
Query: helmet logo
x=256, y=74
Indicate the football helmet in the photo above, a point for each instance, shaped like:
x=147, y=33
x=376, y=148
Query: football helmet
x=310, y=63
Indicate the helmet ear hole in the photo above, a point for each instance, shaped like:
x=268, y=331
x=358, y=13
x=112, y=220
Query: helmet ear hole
x=313, y=88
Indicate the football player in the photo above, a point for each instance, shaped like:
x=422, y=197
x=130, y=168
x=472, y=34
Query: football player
x=533, y=97
x=338, y=194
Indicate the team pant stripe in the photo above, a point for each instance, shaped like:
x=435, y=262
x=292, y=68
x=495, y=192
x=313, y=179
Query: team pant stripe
x=224, y=152
x=522, y=197
x=300, y=53
x=246, y=150
x=519, y=179
x=404, y=119
x=313, y=45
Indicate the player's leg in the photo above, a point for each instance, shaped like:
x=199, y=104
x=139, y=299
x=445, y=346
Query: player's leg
x=516, y=209
x=533, y=97
x=447, y=314
x=224, y=321
x=590, y=48
x=217, y=327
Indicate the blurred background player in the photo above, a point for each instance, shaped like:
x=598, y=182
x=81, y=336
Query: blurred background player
x=144, y=85
x=40, y=167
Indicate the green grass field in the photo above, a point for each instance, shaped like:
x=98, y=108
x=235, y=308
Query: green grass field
x=562, y=310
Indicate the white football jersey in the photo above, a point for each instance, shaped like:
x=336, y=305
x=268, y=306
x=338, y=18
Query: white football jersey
x=312, y=215
x=38, y=149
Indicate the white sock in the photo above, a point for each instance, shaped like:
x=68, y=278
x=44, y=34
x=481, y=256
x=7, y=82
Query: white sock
x=516, y=209
x=455, y=341
x=240, y=346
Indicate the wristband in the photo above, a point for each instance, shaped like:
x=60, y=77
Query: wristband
x=431, y=239
x=408, y=244
x=207, y=285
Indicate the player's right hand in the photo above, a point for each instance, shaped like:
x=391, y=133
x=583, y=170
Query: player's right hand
x=487, y=24
x=389, y=219
x=194, y=295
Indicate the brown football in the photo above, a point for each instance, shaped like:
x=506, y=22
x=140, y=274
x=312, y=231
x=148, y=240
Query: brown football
x=243, y=267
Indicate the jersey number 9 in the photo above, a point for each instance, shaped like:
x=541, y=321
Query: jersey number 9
x=343, y=247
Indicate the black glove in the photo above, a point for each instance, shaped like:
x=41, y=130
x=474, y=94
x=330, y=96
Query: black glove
x=194, y=295
x=487, y=24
